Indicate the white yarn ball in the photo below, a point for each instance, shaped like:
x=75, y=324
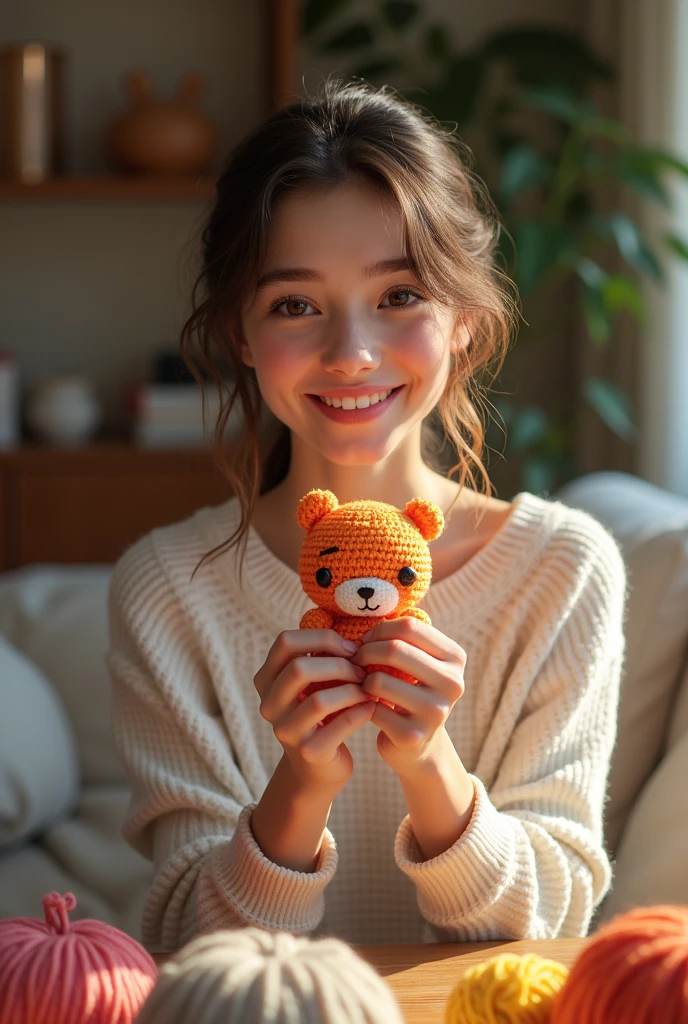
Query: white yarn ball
x=251, y=976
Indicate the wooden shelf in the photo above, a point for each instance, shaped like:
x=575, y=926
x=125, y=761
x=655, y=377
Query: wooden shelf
x=113, y=187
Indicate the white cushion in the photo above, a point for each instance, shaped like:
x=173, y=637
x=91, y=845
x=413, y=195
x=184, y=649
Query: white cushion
x=651, y=527
x=58, y=617
x=652, y=859
x=38, y=759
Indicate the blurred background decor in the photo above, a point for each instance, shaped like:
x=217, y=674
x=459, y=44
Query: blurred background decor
x=32, y=80
x=64, y=411
x=162, y=136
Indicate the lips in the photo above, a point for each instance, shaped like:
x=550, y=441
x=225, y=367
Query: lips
x=341, y=415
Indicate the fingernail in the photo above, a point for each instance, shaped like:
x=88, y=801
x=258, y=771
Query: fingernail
x=349, y=645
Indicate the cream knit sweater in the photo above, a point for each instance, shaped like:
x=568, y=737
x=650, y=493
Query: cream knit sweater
x=539, y=611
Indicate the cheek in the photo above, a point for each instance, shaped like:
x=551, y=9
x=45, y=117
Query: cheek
x=423, y=348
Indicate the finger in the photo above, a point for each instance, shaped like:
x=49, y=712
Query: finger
x=419, y=701
x=404, y=733
x=299, y=674
x=323, y=744
x=299, y=723
x=418, y=634
x=400, y=655
x=292, y=643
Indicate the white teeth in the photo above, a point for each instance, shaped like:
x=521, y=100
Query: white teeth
x=361, y=402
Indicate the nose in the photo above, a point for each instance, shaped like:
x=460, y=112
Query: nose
x=351, y=349
x=366, y=592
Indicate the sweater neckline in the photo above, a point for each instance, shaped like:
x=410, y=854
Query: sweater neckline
x=488, y=575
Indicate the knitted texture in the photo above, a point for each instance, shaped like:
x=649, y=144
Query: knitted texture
x=634, y=970
x=55, y=972
x=250, y=975
x=539, y=612
x=506, y=989
x=363, y=562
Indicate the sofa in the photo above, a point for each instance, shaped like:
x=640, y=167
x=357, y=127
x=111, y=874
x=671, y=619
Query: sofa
x=63, y=794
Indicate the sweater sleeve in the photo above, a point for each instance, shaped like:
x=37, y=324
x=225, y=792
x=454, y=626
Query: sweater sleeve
x=532, y=862
x=191, y=805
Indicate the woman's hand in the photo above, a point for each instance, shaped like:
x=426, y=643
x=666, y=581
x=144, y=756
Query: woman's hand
x=413, y=736
x=318, y=758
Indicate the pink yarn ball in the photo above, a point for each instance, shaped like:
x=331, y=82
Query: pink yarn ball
x=56, y=972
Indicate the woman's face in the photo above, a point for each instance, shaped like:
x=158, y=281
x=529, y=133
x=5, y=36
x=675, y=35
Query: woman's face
x=337, y=319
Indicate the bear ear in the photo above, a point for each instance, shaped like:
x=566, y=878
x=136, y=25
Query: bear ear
x=313, y=506
x=426, y=516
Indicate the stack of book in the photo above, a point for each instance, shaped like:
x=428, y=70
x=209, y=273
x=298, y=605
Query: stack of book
x=172, y=415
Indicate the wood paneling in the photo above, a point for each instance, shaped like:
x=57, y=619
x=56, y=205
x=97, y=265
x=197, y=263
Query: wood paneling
x=88, y=505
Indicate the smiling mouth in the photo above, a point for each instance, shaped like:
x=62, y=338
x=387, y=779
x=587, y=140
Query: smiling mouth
x=367, y=608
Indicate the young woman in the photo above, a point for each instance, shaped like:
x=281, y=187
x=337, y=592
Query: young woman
x=349, y=284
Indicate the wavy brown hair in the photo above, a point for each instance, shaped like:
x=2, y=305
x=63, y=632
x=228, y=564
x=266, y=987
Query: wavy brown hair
x=351, y=133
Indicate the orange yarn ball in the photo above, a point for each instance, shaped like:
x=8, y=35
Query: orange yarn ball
x=634, y=970
x=55, y=972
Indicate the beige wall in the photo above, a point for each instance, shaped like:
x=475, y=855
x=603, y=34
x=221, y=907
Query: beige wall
x=99, y=287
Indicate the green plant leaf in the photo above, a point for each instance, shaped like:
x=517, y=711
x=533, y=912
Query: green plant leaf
x=351, y=38
x=522, y=168
x=625, y=233
x=598, y=318
x=561, y=103
x=540, y=246
x=612, y=405
x=663, y=160
x=678, y=245
x=436, y=42
x=539, y=474
x=544, y=56
x=639, y=172
x=621, y=292
x=376, y=69
x=453, y=97
x=399, y=13
x=604, y=127
x=528, y=426
x=317, y=12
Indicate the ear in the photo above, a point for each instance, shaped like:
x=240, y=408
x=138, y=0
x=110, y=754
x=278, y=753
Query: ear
x=426, y=516
x=313, y=506
x=461, y=337
x=245, y=353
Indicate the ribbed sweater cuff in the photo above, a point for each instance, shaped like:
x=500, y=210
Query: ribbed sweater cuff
x=266, y=894
x=467, y=876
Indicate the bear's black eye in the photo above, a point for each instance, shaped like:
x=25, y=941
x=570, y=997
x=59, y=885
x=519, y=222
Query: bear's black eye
x=407, y=576
x=323, y=577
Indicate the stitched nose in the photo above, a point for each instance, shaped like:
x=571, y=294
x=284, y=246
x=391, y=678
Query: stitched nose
x=366, y=592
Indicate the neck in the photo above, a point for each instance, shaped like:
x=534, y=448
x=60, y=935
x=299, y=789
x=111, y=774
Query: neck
x=395, y=479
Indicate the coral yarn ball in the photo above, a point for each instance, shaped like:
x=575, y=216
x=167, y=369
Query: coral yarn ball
x=507, y=989
x=56, y=972
x=634, y=970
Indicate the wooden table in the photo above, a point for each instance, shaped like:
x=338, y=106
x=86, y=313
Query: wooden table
x=422, y=976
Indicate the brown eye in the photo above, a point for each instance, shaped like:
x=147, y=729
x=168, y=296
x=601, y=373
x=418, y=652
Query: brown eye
x=407, y=576
x=323, y=577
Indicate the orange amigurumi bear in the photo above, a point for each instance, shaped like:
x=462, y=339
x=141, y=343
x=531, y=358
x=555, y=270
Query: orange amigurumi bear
x=362, y=562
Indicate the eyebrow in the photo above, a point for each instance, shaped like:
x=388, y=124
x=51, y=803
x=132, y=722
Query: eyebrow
x=379, y=269
x=328, y=551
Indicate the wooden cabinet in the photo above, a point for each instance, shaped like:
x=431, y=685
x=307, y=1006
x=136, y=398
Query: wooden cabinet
x=89, y=504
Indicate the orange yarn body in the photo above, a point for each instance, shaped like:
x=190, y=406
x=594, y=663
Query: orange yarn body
x=634, y=970
x=363, y=562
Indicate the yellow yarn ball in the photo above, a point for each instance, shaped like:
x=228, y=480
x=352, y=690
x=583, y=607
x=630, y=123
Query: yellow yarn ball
x=508, y=989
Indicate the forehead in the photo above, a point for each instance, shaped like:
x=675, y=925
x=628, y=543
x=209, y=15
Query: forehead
x=319, y=228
